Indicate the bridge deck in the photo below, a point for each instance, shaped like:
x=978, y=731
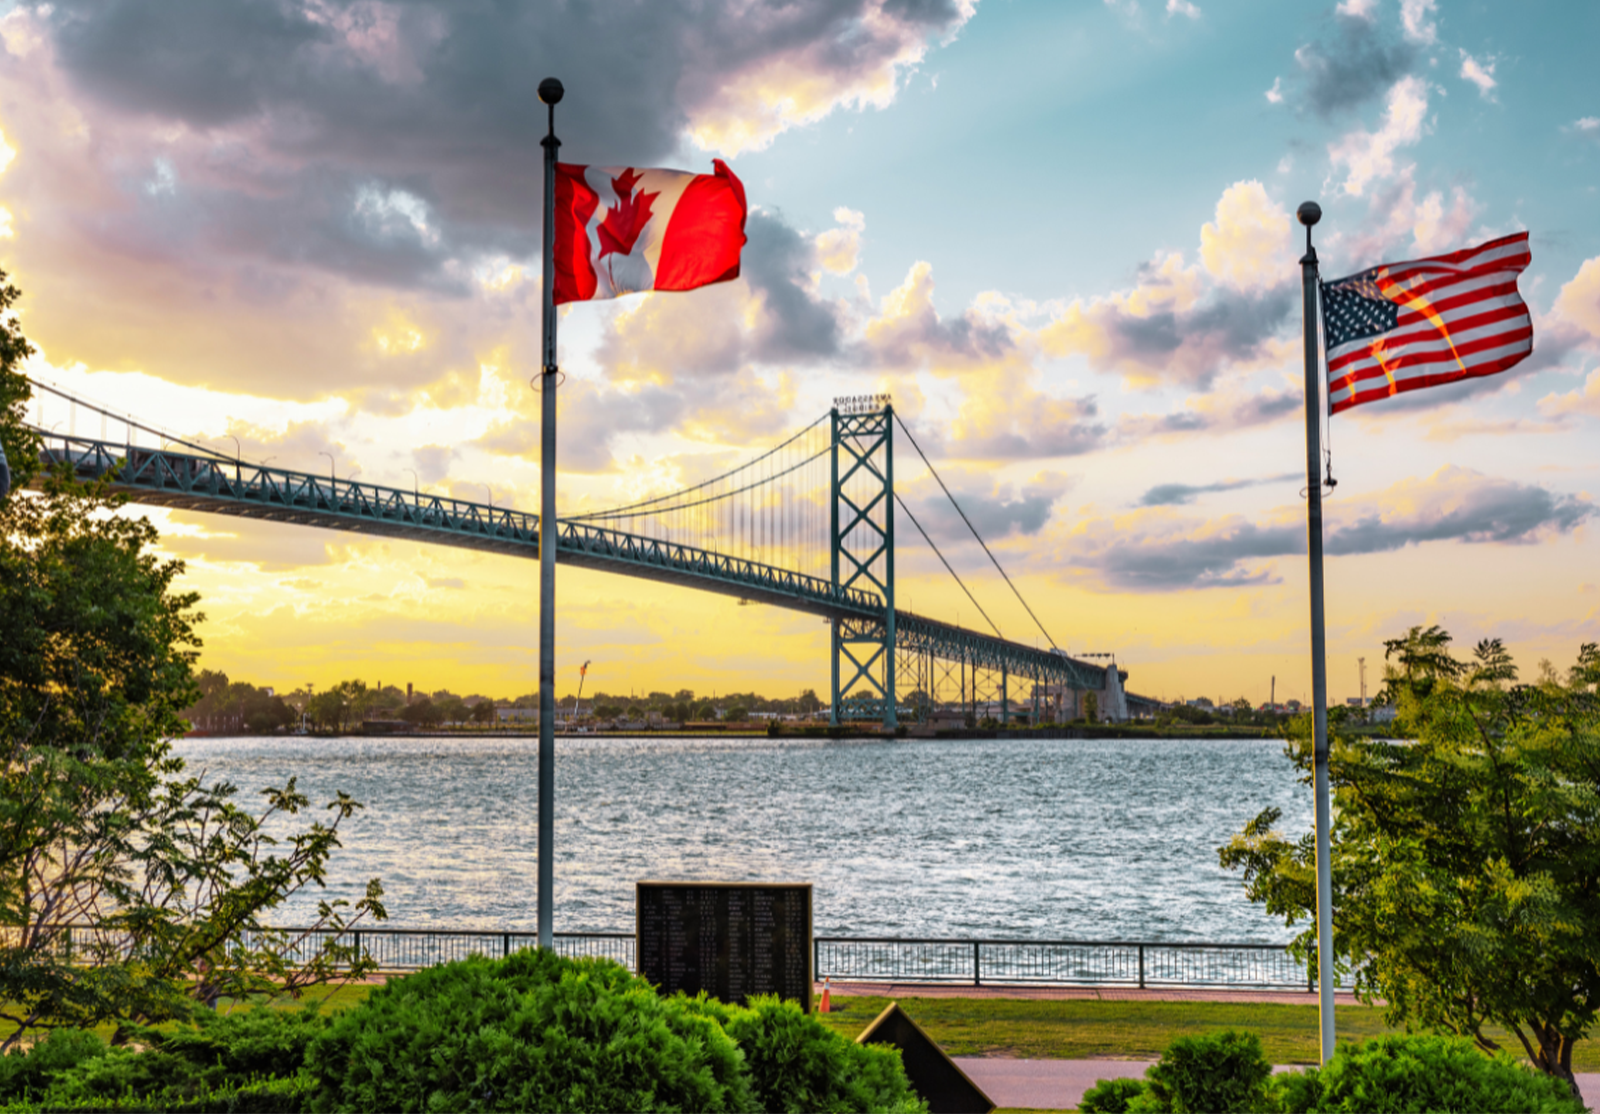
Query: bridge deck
x=191, y=481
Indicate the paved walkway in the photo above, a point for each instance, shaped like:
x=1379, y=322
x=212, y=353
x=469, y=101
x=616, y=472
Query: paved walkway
x=1060, y=1084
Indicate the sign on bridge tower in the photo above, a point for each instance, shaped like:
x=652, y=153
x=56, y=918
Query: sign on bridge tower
x=862, y=536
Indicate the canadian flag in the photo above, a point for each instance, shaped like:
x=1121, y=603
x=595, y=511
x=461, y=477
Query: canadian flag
x=623, y=229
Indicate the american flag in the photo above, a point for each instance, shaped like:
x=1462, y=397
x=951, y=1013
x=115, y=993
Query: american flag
x=1404, y=326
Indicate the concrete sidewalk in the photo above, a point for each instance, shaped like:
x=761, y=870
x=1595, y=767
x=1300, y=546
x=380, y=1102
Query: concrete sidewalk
x=1060, y=1084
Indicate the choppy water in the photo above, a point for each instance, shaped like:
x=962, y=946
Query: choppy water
x=1061, y=839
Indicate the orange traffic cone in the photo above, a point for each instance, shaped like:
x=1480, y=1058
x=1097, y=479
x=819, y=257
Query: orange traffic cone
x=826, y=1006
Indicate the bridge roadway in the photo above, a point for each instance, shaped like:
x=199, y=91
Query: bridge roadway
x=219, y=485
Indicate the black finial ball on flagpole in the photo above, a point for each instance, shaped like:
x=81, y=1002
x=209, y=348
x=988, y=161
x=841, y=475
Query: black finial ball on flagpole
x=1309, y=212
x=550, y=91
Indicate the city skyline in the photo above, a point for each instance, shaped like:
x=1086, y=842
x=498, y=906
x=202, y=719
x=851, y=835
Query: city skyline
x=1060, y=236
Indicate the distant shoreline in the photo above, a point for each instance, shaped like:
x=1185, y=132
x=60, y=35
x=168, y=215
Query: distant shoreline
x=1103, y=731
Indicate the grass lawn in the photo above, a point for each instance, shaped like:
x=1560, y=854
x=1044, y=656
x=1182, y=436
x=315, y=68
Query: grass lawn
x=1081, y=1029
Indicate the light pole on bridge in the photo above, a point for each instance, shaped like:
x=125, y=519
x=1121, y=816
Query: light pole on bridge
x=331, y=476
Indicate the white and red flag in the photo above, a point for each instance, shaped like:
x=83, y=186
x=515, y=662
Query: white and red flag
x=1404, y=326
x=623, y=229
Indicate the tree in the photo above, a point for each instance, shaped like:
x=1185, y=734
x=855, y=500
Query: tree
x=483, y=712
x=1466, y=863
x=737, y=713
x=19, y=446
x=129, y=889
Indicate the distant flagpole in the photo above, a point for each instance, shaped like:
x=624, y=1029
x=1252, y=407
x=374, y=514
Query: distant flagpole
x=1309, y=214
x=550, y=92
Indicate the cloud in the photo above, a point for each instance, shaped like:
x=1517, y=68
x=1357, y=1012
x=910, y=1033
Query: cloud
x=908, y=332
x=996, y=509
x=1275, y=94
x=1179, y=494
x=1460, y=505
x=1370, y=155
x=1579, y=299
x=1399, y=220
x=393, y=143
x=1358, y=9
x=804, y=62
x=1153, y=550
x=839, y=249
x=1168, y=330
x=1415, y=22
x=1583, y=400
x=1004, y=419
x=1351, y=67
x=1585, y=127
x=1223, y=411
x=1182, y=7
x=1245, y=247
x=1480, y=74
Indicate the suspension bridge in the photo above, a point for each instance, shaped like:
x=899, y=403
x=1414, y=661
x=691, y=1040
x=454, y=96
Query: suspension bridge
x=808, y=525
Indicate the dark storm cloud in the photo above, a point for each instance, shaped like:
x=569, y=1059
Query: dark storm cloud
x=1458, y=506
x=293, y=109
x=795, y=324
x=1176, y=494
x=1352, y=65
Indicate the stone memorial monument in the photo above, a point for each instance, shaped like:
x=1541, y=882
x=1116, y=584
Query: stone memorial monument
x=731, y=939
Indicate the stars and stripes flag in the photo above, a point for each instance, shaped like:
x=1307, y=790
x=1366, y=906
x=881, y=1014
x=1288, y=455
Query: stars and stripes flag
x=623, y=229
x=1403, y=326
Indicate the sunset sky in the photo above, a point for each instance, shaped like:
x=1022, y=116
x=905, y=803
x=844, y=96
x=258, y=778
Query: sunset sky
x=1060, y=234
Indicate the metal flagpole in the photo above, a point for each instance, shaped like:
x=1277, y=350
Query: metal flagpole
x=550, y=92
x=1310, y=213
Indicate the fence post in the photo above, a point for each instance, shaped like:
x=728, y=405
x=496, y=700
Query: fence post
x=1311, y=978
x=977, y=971
x=358, y=946
x=1141, y=966
x=506, y=950
x=816, y=959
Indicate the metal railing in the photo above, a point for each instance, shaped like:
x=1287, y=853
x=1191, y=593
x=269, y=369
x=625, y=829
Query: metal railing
x=891, y=959
x=1131, y=963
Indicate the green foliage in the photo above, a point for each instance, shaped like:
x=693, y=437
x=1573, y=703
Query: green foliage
x=798, y=1065
x=100, y=825
x=529, y=1032
x=249, y=1060
x=26, y=1074
x=19, y=448
x=1217, y=1072
x=1399, y=1074
x=1110, y=1096
x=1463, y=861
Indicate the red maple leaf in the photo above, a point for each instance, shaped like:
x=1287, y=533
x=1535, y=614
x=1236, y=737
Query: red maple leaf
x=624, y=223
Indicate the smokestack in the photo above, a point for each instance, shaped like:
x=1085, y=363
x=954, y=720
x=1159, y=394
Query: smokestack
x=1274, y=699
x=408, y=692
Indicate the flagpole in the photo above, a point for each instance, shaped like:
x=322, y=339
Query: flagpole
x=1309, y=214
x=550, y=92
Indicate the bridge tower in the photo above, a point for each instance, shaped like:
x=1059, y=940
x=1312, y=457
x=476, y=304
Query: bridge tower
x=862, y=535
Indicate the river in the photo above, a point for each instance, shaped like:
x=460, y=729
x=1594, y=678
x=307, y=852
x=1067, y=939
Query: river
x=1045, y=839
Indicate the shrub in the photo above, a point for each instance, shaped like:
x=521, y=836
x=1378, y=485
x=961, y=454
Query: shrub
x=1214, y=1073
x=246, y=1042
x=1110, y=1096
x=27, y=1074
x=798, y=1064
x=1404, y=1073
x=529, y=1032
